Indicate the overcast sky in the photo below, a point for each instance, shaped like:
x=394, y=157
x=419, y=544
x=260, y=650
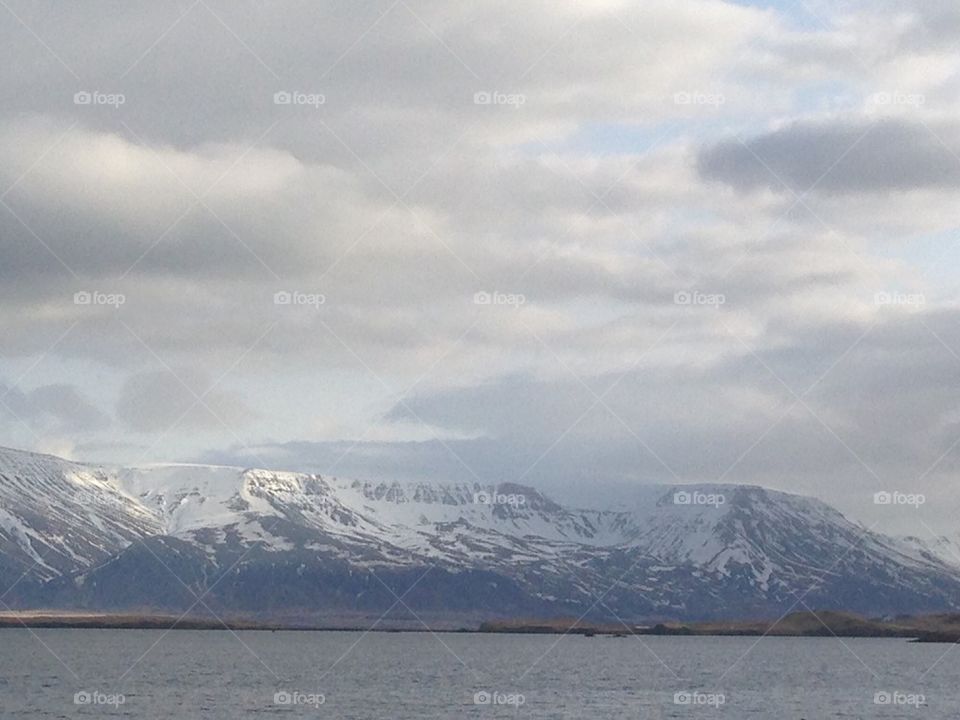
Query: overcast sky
x=576, y=245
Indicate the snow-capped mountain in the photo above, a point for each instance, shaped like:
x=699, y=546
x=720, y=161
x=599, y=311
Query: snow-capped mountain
x=945, y=548
x=57, y=516
x=174, y=537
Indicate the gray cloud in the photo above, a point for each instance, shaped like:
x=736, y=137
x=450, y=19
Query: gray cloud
x=58, y=409
x=848, y=156
x=934, y=23
x=878, y=409
x=155, y=401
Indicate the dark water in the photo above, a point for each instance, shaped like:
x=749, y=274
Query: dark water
x=186, y=674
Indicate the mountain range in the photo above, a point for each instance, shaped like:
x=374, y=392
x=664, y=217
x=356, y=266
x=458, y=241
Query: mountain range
x=269, y=544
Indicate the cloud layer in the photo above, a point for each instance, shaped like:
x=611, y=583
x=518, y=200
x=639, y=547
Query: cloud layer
x=572, y=245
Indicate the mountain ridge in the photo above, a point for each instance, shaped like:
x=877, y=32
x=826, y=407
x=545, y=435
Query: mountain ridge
x=257, y=541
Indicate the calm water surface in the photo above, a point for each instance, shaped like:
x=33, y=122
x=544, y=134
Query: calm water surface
x=186, y=674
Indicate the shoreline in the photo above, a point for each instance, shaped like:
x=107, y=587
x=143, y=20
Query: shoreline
x=921, y=628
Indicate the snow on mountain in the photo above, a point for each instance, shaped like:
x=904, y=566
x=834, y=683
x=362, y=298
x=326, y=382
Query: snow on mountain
x=56, y=516
x=944, y=548
x=268, y=541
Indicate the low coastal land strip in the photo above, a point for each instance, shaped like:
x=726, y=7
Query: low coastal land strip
x=827, y=623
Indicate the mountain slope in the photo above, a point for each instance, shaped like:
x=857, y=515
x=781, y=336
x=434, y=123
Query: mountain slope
x=265, y=542
x=57, y=516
